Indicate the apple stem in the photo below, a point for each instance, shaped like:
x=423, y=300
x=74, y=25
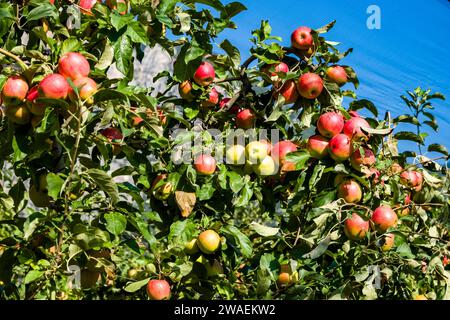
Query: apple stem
x=13, y=56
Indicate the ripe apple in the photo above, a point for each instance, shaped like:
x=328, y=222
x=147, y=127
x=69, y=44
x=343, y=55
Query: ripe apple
x=114, y=4
x=317, y=146
x=288, y=91
x=234, y=108
x=256, y=151
x=208, y=241
x=14, y=90
x=396, y=168
x=18, y=114
x=330, y=124
x=191, y=247
x=37, y=109
x=362, y=162
x=340, y=147
x=287, y=275
x=236, y=154
x=337, y=75
x=355, y=227
x=267, y=167
x=387, y=242
x=213, y=99
x=384, y=218
x=205, y=164
x=352, y=128
x=412, y=179
x=350, y=191
x=277, y=68
x=245, y=119
x=86, y=6
x=185, y=90
x=205, y=74
x=310, y=85
x=74, y=65
x=86, y=90
x=114, y=136
x=302, y=38
x=158, y=289
x=54, y=86
x=279, y=152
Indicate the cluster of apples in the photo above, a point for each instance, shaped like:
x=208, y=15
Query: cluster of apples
x=21, y=102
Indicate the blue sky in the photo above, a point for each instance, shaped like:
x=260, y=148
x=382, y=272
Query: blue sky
x=412, y=47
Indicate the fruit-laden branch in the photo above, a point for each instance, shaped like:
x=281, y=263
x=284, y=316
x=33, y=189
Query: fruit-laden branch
x=13, y=56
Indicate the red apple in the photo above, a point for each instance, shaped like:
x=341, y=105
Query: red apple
x=14, y=90
x=318, y=146
x=353, y=113
x=396, y=168
x=279, y=152
x=112, y=134
x=54, y=86
x=330, y=124
x=350, y=191
x=277, y=68
x=310, y=85
x=37, y=109
x=302, y=38
x=73, y=65
x=86, y=6
x=205, y=74
x=340, y=147
x=208, y=241
x=234, y=108
x=352, y=128
x=86, y=89
x=158, y=290
x=245, y=119
x=213, y=99
x=384, y=218
x=362, y=162
x=205, y=164
x=355, y=227
x=185, y=90
x=412, y=179
x=288, y=91
x=337, y=75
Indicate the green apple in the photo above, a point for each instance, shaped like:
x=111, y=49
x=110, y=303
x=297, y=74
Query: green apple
x=236, y=154
x=191, y=247
x=267, y=167
x=256, y=151
x=213, y=269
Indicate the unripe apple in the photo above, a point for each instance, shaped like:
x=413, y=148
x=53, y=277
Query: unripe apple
x=384, y=218
x=54, y=86
x=234, y=108
x=256, y=151
x=387, y=242
x=267, y=167
x=205, y=74
x=302, y=38
x=340, y=147
x=86, y=6
x=330, y=124
x=185, y=90
x=361, y=162
x=205, y=164
x=114, y=4
x=14, y=90
x=213, y=99
x=208, y=241
x=214, y=268
x=74, y=65
x=191, y=247
x=352, y=128
x=337, y=75
x=162, y=192
x=86, y=90
x=317, y=146
x=18, y=114
x=310, y=85
x=245, y=119
x=288, y=91
x=158, y=290
x=236, y=154
x=355, y=227
x=350, y=191
x=37, y=109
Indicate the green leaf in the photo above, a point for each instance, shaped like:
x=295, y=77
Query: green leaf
x=299, y=158
x=232, y=9
x=364, y=103
x=436, y=95
x=381, y=132
x=116, y=223
x=406, y=135
x=244, y=197
x=32, y=276
x=135, y=286
x=185, y=21
x=406, y=118
x=166, y=6
x=105, y=182
x=70, y=45
x=119, y=21
x=263, y=230
x=136, y=33
x=44, y=10
x=106, y=59
x=123, y=52
x=236, y=181
x=435, y=147
x=326, y=27
x=232, y=52
x=54, y=185
x=319, y=250
x=205, y=192
x=244, y=243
